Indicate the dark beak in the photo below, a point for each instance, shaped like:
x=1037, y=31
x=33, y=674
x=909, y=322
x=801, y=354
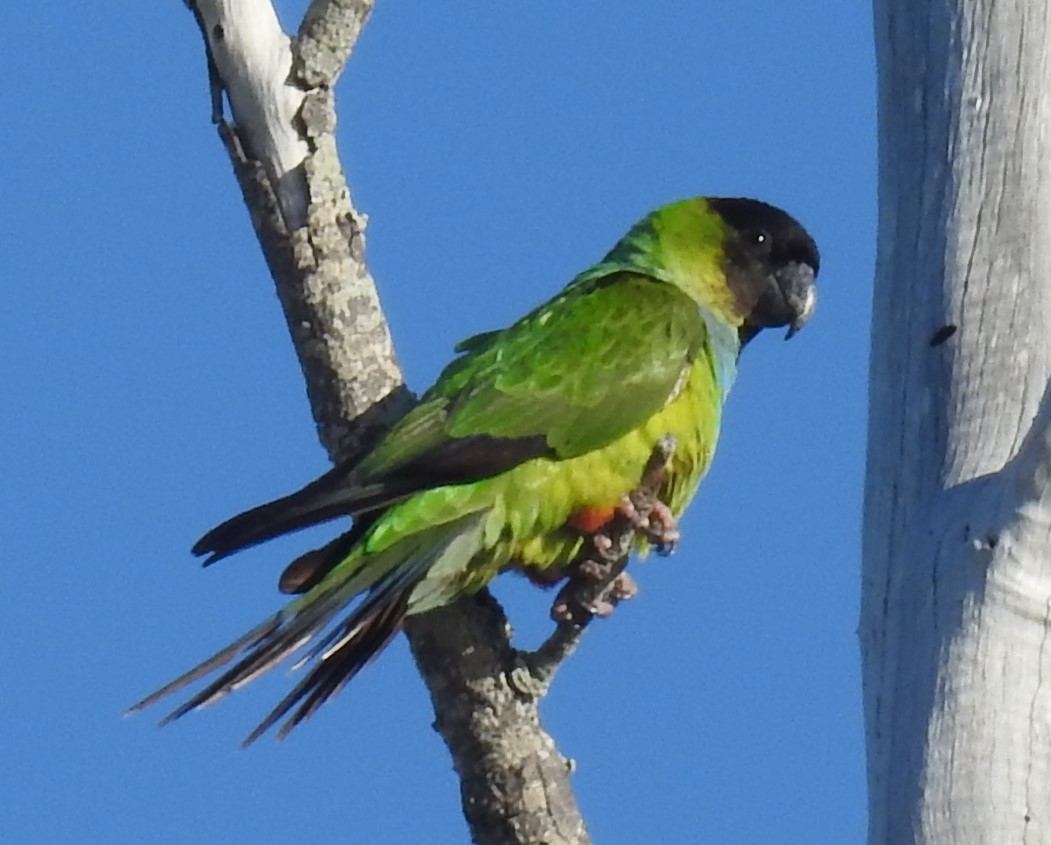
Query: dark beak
x=796, y=281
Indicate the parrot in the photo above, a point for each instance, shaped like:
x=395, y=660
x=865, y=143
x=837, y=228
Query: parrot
x=529, y=441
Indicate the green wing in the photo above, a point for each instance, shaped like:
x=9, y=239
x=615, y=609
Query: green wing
x=587, y=367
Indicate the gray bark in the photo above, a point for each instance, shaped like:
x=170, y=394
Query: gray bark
x=956, y=598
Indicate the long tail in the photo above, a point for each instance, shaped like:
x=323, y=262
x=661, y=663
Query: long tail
x=347, y=646
x=333, y=495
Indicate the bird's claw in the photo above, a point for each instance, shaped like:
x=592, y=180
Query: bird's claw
x=624, y=587
x=569, y=609
x=650, y=517
x=594, y=570
x=662, y=528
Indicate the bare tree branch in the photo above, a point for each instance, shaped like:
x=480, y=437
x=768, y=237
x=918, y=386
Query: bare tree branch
x=515, y=784
x=329, y=31
x=285, y=158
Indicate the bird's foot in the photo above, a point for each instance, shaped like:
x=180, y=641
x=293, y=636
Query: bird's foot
x=597, y=582
x=653, y=519
x=661, y=528
x=575, y=603
x=595, y=585
x=644, y=510
x=623, y=588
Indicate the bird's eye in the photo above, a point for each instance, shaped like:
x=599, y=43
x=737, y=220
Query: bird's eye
x=761, y=239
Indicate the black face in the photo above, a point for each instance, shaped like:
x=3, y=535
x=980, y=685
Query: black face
x=771, y=263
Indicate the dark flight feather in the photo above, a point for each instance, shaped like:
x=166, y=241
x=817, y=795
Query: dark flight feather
x=340, y=493
x=341, y=652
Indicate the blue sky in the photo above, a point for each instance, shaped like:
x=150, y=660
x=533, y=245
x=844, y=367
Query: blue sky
x=150, y=391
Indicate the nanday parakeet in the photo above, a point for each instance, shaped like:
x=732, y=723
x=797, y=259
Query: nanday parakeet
x=531, y=434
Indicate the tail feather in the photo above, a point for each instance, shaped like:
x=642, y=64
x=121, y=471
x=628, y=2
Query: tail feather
x=388, y=579
x=295, y=627
x=220, y=658
x=333, y=495
x=329, y=675
x=351, y=657
x=307, y=570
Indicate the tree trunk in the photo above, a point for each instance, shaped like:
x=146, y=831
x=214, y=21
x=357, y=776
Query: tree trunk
x=956, y=595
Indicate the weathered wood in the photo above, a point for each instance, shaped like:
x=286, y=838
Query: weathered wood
x=957, y=541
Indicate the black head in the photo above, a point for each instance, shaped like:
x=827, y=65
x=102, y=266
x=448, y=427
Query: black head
x=771, y=263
